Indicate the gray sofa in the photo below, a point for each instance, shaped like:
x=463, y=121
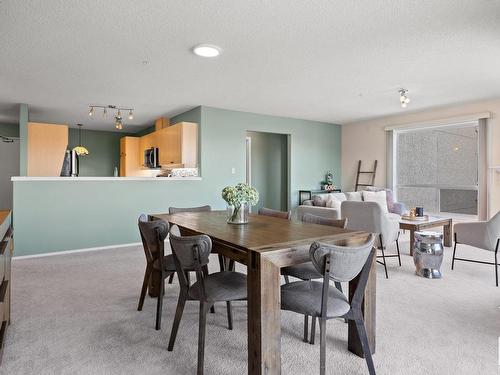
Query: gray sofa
x=317, y=205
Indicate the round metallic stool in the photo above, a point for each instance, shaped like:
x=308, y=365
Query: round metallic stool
x=428, y=254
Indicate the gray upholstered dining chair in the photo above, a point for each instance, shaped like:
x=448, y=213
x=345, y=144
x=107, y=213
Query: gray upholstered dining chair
x=481, y=234
x=206, y=208
x=275, y=213
x=307, y=271
x=153, y=234
x=192, y=253
x=369, y=217
x=318, y=299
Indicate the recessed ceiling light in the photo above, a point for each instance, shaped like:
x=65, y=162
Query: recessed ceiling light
x=206, y=50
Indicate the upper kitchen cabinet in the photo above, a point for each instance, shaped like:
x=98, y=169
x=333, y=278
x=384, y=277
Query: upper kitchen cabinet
x=129, y=156
x=177, y=144
x=47, y=145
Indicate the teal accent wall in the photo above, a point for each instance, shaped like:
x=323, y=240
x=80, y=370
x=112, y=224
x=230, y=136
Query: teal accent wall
x=9, y=130
x=104, y=151
x=315, y=147
x=269, y=169
x=23, y=142
x=148, y=130
x=54, y=216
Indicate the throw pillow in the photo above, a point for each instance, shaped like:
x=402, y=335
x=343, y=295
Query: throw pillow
x=318, y=201
x=354, y=196
x=389, y=195
x=332, y=202
x=340, y=196
x=378, y=197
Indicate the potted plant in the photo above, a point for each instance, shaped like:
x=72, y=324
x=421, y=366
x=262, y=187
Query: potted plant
x=239, y=198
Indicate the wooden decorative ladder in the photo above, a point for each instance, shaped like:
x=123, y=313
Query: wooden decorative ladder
x=360, y=172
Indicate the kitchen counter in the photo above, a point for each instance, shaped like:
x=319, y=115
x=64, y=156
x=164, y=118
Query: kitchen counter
x=123, y=179
x=71, y=213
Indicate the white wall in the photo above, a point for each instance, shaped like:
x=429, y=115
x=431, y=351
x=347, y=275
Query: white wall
x=366, y=141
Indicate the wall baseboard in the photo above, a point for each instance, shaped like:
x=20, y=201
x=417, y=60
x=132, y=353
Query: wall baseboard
x=75, y=251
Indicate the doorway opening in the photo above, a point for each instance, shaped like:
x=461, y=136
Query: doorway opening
x=9, y=155
x=267, y=168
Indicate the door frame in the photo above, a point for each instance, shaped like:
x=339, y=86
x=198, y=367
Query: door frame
x=248, y=162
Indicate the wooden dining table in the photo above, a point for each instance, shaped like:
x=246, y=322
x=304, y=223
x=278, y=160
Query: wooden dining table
x=265, y=245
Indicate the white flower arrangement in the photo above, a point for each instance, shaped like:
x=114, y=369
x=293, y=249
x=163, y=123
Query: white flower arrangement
x=239, y=194
x=237, y=198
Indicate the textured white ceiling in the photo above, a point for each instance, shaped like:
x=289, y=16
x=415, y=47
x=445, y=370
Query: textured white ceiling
x=334, y=61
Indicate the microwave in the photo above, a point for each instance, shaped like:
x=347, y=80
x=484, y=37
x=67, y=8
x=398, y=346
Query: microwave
x=152, y=157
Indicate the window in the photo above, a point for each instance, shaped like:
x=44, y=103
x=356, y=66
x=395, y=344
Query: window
x=437, y=168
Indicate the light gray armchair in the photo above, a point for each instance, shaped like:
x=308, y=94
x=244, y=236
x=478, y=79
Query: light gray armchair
x=369, y=217
x=481, y=234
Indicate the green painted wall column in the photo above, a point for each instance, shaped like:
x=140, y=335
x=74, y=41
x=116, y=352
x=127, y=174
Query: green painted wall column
x=23, y=139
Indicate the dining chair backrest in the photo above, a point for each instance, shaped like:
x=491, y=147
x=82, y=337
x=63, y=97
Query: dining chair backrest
x=275, y=213
x=174, y=210
x=315, y=219
x=344, y=262
x=153, y=234
x=192, y=252
x=365, y=216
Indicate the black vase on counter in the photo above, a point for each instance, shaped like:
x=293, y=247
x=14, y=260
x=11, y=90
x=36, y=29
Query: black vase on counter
x=70, y=164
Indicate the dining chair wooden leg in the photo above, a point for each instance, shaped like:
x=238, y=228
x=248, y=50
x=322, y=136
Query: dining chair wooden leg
x=360, y=327
x=205, y=273
x=159, y=303
x=306, y=328
x=171, y=278
x=221, y=263
x=229, y=315
x=147, y=275
x=322, y=349
x=313, y=330
x=177, y=320
x=204, y=307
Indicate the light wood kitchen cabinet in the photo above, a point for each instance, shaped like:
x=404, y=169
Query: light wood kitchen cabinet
x=148, y=141
x=178, y=144
x=130, y=165
x=47, y=145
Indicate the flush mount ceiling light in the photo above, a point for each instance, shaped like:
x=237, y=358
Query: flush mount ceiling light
x=403, y=97
x=118, y=114
x=207, y=50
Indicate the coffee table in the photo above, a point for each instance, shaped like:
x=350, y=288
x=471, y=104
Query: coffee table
x=432, y=222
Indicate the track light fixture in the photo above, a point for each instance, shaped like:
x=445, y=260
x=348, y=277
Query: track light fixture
x=403, y=97
x=118, y=116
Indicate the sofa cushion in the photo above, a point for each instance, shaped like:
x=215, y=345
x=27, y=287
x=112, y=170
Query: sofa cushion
x=379, y=197
x=354, y=196
x=333, y=202
x=340, y=196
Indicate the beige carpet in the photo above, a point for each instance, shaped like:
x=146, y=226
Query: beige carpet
x=76, y=314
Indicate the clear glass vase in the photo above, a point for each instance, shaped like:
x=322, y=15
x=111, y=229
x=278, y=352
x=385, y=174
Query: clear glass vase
x=237, y=214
